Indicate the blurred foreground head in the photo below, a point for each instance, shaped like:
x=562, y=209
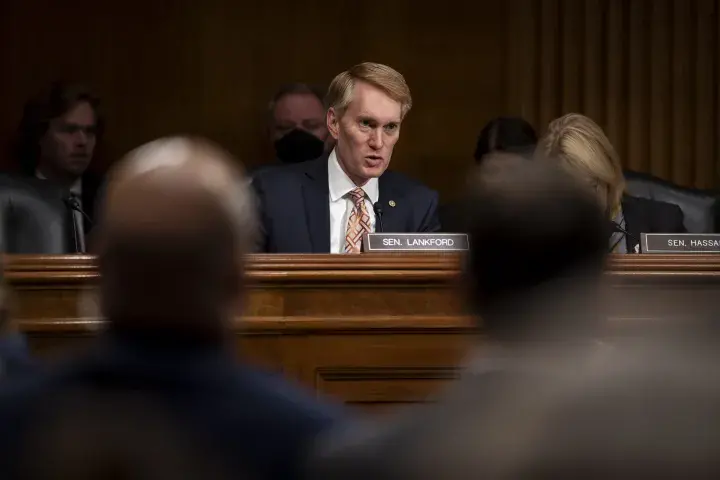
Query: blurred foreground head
x=178, y=218
x=640, y=410
x=533, y=231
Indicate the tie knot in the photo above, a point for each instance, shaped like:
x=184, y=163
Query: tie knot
x=357, y=195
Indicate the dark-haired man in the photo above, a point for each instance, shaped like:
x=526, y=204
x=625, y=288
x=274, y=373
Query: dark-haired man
x=297, y=123
x=56, y=142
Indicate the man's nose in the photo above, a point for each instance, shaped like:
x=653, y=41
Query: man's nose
x=81, y=138
x=376, y=139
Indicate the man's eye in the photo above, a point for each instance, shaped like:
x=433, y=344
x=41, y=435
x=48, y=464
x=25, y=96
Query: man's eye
x=365, y=123
x=391, y=127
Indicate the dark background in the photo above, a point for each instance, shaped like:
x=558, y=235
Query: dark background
x=647, y=70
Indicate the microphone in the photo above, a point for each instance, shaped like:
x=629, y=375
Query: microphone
x=617, y=228
x=377, y=208
x=73, y=203
x=68, y=201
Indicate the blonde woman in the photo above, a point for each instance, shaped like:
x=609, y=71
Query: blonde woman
x=583, y=149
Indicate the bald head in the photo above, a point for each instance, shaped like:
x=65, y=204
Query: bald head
x=176, y=222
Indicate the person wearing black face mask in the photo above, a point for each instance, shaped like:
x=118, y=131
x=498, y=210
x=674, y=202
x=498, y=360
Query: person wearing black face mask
x=297, y=126
x=298, y=146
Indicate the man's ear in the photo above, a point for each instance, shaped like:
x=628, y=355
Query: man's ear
x=333, y=123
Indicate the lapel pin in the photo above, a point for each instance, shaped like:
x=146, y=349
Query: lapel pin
x=391, y=203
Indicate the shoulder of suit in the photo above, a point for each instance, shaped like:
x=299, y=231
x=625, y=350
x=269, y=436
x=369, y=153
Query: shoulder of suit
x=406, y=185
x=651, y=205
x=281, y=170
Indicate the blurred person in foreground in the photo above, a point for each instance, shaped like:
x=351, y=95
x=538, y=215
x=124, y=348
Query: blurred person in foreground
x=15, y=358
x=513, y=135
x=176, y=223
x=580, y=146
x=537, y=303
x=91, y=434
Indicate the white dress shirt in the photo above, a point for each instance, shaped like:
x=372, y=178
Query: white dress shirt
x=76, y=190
x=341, y=203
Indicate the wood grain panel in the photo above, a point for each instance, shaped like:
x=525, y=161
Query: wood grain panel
x=522, y=58
x=644, y=70
x=683, y=95
x=550, y=58
x=637, y=157
x=647, y=70
x=573, y=42
x=376, y=331
x=593, y=93
x=660, y=95
x=616, y=74
x=705, y=71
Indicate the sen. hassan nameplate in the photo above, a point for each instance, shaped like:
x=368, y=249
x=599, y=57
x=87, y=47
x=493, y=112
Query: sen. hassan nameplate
x=680, y=242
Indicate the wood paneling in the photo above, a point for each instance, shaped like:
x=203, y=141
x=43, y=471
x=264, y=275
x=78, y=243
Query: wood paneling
x=166, y=67
x=372, y=330
x=647, y=70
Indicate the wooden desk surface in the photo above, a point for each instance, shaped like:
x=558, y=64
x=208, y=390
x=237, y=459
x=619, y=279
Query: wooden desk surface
x=371, y=329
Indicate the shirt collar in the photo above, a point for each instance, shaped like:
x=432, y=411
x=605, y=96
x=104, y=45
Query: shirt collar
x=340, y=184
x=75, y=188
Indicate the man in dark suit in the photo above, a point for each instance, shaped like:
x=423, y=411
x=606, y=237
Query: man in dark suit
x=177, y=222
x=539, y=244
x=327, y=205
x=56, y=142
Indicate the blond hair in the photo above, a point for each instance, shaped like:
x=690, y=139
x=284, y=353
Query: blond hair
x=582, y=148
x=387, y=79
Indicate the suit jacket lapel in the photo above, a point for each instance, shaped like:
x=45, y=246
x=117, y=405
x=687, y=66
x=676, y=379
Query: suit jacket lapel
x=634, y=223
x=316, y=195
x=391, y=221
x=90, y=186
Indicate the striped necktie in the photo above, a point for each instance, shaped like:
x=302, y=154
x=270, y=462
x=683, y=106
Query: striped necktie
x=358, y=223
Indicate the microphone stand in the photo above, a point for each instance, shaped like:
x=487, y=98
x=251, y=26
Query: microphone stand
x=625, y=234
x=74, y=206
x=76, y=234
x=378, y=214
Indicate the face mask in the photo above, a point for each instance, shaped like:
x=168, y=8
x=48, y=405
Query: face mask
x=298, y=146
